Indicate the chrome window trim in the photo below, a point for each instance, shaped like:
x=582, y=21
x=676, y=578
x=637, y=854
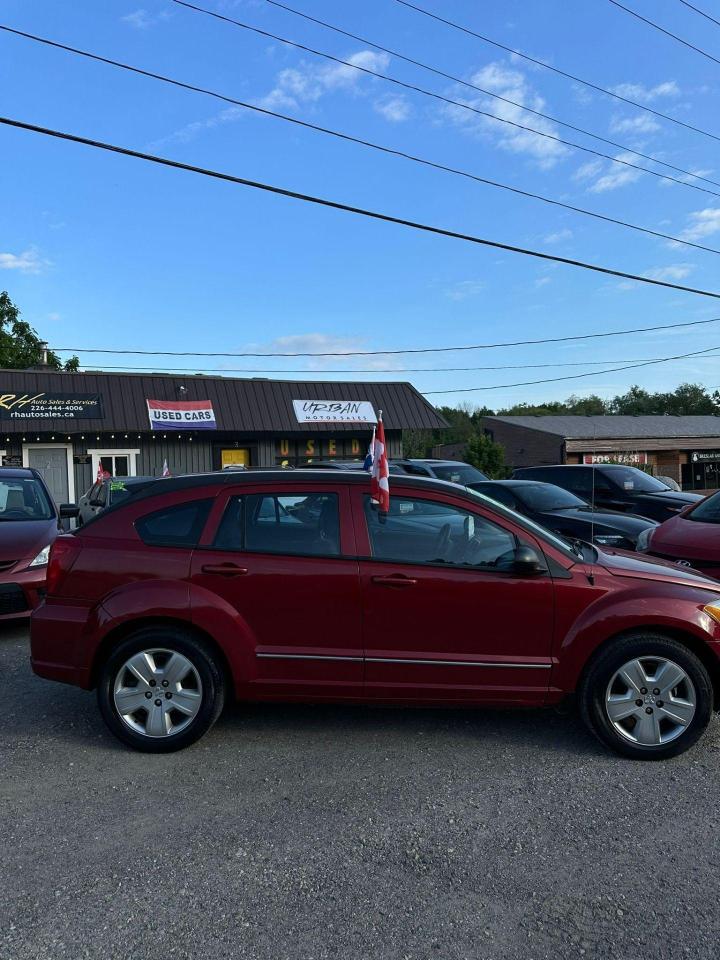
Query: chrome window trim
x=445, y=663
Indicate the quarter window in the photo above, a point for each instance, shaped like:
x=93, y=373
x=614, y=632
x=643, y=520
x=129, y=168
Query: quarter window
x=424, y=531
x=306, y=524
x=176, y=526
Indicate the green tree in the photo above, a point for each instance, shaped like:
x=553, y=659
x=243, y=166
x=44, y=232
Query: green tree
x=20, y=346
x=487, y=455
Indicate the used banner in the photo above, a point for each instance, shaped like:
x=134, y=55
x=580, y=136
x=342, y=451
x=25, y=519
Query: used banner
x=181, y=415
x=334, y=411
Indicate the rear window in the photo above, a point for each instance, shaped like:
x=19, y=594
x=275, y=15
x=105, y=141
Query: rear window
x=176, y=526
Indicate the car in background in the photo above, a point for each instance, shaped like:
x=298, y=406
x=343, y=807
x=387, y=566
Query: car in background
x=454, y=471
x=29, y=524
x=565, y=514
x=107, y=492
x=610, y=486
x=195, y=590
x=344, y=465
x=691, y=539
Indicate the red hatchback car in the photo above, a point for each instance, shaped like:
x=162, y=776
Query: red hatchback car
x=291, y=586
x=691, y=539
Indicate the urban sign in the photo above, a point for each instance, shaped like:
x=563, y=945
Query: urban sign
x=334, y=411
x=629, y=459
x=181, y=415
x=51, y=406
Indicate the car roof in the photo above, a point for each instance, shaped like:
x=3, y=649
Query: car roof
x=128, y=479
x=18, y=472
x=514, y=483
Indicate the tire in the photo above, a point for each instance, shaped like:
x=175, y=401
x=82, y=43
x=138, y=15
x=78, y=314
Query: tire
x=662, y=722
x=161, y=689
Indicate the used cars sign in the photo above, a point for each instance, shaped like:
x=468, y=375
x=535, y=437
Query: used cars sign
x=181, y=415
x=334, y=411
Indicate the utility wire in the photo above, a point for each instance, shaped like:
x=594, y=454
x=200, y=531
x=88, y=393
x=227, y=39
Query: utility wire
x=356, y=140
x=574, y=376
x=701, y=12
x=562, y=73
x=668, y=33
x=465, y=106
x=348, y=208
x=474, y=86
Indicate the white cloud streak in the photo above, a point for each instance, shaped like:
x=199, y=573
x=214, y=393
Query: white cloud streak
x=29, y=261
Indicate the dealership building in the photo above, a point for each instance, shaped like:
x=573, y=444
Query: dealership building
x=68, y=425
x=684, y=448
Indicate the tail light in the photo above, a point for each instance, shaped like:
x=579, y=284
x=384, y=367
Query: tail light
x=63, y=554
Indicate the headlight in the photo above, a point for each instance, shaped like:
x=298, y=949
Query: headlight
x=643, y=541
x=42, y=558
x=713, y=610
x=609, y=539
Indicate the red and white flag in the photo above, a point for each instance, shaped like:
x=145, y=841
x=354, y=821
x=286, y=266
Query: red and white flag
x=166, y=469
x=380, y=474
x=100, y=474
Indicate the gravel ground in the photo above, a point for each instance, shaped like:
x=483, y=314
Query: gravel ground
x=314, y=832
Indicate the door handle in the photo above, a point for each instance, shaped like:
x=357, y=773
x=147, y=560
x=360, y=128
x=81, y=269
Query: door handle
x=394, y=580
x=224, y=569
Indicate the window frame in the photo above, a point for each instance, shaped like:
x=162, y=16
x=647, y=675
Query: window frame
x=176, y=505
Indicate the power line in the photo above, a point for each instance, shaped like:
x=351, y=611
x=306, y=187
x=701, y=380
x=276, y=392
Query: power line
x=352, y=139
x=465, y=106
x=558, y=71
x=668, y=33
x=701, y=12
x=574, y=376
x=348, y=208
x=472, y=86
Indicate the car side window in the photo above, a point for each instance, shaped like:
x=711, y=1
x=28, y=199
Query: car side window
x=425, y=531
x=177, y=526
x=305, y=524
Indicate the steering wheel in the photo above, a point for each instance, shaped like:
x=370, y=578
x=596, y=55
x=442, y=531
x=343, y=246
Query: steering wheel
x=443, y=541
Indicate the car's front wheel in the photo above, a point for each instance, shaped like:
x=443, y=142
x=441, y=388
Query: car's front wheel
x=161, y=689
x=647, y=696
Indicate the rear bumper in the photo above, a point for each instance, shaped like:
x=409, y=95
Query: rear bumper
x=58, y=647
x=21, y=593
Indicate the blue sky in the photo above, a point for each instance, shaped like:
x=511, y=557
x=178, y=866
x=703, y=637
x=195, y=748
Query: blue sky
x=104, y=251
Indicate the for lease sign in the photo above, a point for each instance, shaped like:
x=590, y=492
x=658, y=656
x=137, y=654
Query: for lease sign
x=334, y=411
x=181, y=415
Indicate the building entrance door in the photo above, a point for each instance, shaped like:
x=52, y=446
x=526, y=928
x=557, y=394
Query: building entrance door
x=52, y=463
x=239, y=457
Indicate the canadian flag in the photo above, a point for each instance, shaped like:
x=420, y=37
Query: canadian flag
x=166, y=469
x=380, y=474
x=100, y=474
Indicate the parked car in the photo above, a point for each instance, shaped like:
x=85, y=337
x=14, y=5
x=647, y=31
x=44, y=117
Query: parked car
x=198, y=589
x=29, y=523
x=345, y=465
x=564, y=513
x=611, y=486
x=691, y=539
x=107, y=492
x=452, y=470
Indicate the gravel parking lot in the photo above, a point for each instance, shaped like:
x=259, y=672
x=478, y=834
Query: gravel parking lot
x=314, y=832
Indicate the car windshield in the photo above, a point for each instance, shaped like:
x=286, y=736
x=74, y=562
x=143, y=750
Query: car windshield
x=457, y=472
x=546, y=496
x=24, y=499
x=708, y=511
x=630, y=478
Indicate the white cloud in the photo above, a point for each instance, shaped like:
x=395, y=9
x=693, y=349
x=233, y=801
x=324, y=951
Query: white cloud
x=672, y=272
x=29, y=261
x=559, y=236
x=394, y=109
x=638, y=91
x=323, y=343
x=641, y=124
x=464, y=289
x=309, y=82
x=543, y=281
x=608, y=176
x=702, y=224
x=142, y=19
x=511, y=84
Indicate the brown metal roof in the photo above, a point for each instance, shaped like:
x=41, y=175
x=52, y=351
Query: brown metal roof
x=243, y=406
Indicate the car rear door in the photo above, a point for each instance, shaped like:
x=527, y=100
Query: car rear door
x=282, y=559
x=453, y=623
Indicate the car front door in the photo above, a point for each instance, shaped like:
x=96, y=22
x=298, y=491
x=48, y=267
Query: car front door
x=283, y=561
x=445, y=615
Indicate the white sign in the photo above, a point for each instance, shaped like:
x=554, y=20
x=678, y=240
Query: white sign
x=334, y=411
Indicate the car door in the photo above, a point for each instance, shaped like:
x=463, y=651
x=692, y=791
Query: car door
x=282, y=560
x=445, y=616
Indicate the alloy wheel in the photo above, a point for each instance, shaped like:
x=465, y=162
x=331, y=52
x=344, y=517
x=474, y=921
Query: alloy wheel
x=650, y=701
x=157, y=693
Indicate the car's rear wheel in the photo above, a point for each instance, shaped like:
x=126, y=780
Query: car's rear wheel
x=647, y=696
x=161, y=689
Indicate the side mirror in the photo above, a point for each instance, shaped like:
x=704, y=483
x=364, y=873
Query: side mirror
x=69, y=511
x=527, y=561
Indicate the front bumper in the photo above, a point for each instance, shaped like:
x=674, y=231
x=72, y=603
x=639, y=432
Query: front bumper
x=21, y=591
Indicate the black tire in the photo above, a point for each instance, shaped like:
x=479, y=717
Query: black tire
x=201, y=657
x=644, y=646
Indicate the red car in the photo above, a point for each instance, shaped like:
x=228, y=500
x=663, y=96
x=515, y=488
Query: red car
x=29, y=522
x=287, y=586
x=691, y=539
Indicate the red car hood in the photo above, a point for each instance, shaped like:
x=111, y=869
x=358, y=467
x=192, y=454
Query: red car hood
x=625, y=564
x=24, y=539
x=687, y=538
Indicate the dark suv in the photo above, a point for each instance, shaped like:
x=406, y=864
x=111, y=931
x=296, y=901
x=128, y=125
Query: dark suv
x=611, y=486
